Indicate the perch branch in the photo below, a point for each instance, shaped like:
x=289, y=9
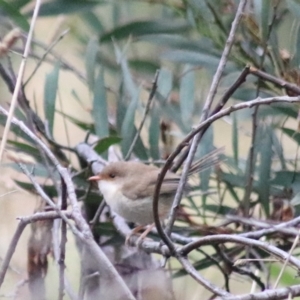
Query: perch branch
x=106, y=268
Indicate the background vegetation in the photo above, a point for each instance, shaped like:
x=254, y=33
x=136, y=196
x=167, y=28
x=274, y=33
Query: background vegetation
x=90, y=78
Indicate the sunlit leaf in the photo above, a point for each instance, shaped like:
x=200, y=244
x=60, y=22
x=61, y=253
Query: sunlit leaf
x=235, y=139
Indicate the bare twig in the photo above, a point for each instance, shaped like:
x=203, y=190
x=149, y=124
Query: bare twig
x=277, y=81
x=61, y=36
x=107, y=270
x=19, y=79
x=63, y=242
x=222, y=238
x=15, y=239
x=286, y=261
x=242, y=78
x=196, y=139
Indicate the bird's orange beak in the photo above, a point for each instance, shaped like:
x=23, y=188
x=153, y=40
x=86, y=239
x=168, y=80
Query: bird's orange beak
x=95, y=178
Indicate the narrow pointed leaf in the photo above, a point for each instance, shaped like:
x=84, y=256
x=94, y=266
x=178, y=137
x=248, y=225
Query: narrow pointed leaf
x=105, y=143
x=187, y=94
x=100, y=107
x=15, y=15
x=265, y=168
x=154, y=132
x=90, y=62
x=140, y=28
x=50, y=91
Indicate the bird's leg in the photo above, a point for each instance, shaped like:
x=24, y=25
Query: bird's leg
x=144, y=234
x=133, y=232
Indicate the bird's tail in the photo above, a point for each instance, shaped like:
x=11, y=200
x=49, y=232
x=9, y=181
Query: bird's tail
x=209, y=160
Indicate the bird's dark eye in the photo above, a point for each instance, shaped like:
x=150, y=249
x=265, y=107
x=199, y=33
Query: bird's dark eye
x=112, y=175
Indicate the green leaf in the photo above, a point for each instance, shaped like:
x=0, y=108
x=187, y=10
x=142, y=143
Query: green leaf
x=50, y=190
x=262, y=11
x=202, y=8
x=12, y=11
x=293, y=134
x=196, y=58
x=154, y=132
x=16, y=130
x=265, y=167
x=294, y=8
x=174, y=41
x=296, y=199
x=187, y=94
x=165, y=83
x=235, y=139
x=287, y=179
x=91, y=19
x=100, y=113
x=278, y=149
x=50, y=91
x=140, y=28
x=127, y=131
x=103, y=144
x=30, y=150
x=83, y=125
x=59, y=7
x=90, y=62
x=296, y=48
x=219, y=209
x=144, y=66
x=129, y=84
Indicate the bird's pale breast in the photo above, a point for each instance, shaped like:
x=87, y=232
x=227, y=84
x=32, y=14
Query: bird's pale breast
x=137, y=211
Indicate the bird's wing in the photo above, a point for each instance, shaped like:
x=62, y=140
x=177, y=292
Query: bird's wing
x=144, y=187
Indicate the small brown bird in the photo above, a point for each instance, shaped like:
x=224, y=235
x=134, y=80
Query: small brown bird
x=128, y=188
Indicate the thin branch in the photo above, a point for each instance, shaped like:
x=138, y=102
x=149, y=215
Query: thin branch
x=211, y=94
x=228, y=93
x=277, y=81
x=147, y=109
x=84, y=233
x=186, y=140
x=61, y=36
x=278, y=294
x=19, y=79
x=15, y=239
x=286, y=261
x=196, y=275
x=44, y=196
x=226, y=238
x=63, y=242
